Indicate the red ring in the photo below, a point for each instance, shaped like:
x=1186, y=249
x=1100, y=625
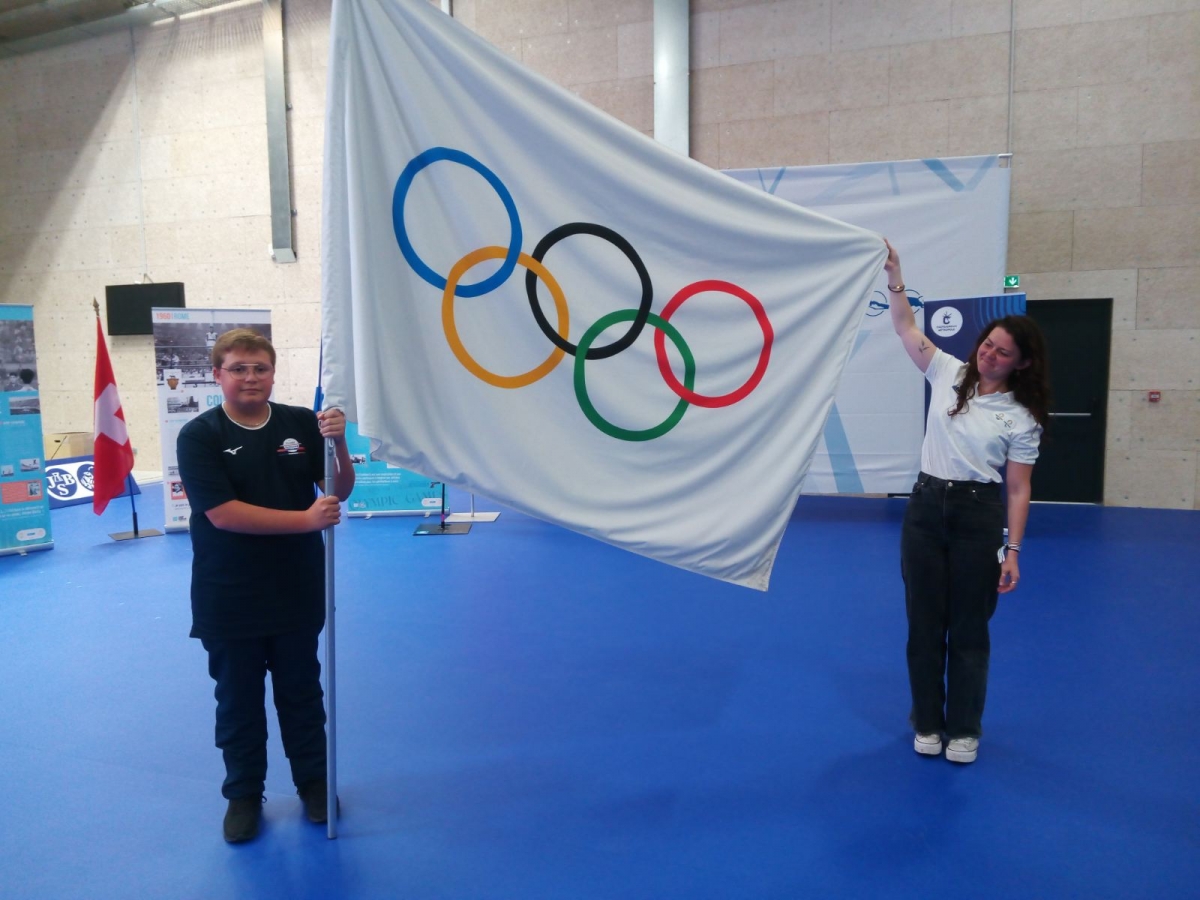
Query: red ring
x=660, y=346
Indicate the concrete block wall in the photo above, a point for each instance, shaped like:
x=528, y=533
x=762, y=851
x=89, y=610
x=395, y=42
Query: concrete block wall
x=146, y=153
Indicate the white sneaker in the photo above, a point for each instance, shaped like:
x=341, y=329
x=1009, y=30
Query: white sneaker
x=962, y=750
x=928, y=744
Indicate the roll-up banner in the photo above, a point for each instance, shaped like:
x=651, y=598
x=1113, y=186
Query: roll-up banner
x=382, y=489
x=183, y=342
x=953, y=325
x=24, y=508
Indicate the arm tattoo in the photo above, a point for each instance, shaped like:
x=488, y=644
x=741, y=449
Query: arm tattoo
x=924, y=347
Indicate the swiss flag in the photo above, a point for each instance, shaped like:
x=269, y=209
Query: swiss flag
x=113, y=451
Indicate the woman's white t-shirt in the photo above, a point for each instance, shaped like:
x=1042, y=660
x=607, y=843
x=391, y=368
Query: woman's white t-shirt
x=976, y=443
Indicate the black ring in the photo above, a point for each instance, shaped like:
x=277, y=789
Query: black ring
x=639, y=321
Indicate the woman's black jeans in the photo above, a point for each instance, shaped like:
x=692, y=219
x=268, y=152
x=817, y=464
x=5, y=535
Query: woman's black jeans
x=948, y=557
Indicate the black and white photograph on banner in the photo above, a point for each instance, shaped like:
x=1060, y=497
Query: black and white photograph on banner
x=24, y=406
x=183, y=350
x=18, y=358
x=182, y=403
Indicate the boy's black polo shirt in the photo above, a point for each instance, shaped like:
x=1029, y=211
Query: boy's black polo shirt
x=248, y=585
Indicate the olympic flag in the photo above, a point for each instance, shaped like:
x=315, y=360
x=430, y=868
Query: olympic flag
x=493, y=251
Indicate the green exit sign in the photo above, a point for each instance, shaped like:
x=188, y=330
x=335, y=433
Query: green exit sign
x=1011, y=281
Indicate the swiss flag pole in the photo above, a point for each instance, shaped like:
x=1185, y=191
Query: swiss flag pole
x=112, y=449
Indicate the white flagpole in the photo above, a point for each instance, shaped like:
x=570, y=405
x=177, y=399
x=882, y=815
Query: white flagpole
x=330, y=654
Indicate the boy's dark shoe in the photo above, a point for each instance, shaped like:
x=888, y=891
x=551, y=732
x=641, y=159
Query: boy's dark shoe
x=315, y=797
x=242, y=818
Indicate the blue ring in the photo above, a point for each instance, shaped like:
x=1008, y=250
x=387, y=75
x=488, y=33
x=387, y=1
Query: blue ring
x=415, y=165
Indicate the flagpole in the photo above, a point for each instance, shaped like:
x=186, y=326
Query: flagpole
x=330, y=657
x=129, y=476
x=102, y=355
x=132, y=505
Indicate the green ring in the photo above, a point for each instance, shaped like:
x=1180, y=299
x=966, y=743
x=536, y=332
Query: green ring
x=689, y=376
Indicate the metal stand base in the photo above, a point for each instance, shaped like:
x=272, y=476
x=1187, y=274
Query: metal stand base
x=473, y=517
x=135, y=535
x=442, y=528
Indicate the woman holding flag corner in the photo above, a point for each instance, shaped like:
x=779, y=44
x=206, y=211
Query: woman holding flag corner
x=250, y=468
x=985, y=414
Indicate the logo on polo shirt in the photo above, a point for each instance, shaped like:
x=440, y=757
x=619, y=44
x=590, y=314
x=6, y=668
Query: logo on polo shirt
x=291, y=447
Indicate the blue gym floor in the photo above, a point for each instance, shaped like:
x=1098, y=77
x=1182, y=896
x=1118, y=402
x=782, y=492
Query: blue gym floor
x=525, y=713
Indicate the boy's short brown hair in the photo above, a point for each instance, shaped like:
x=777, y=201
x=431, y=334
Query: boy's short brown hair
x=240, y=339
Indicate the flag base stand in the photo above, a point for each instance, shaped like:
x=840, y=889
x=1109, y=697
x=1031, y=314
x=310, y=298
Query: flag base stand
x=443, y=525
x=473, y=516
x=442, y=528
x=134, y=535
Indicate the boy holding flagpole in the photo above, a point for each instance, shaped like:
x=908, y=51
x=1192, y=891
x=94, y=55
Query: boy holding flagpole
x=249, y=468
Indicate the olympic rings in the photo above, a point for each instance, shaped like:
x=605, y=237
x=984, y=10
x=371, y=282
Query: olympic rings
x=415, y=165
x=764, y=356
x=560, y=305
x=639, y=321
x=585, y=403
x=512, y=256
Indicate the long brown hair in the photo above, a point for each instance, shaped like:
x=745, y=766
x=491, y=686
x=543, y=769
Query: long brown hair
x=1030, y=385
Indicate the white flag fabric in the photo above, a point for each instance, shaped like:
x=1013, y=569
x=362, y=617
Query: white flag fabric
x=531, y=301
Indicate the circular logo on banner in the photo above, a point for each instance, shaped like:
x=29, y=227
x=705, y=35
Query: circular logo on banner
x=947, y=322
x=60, y=483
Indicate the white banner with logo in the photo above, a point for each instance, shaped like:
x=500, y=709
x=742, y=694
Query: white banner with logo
x=183, y=342
x=948, y=218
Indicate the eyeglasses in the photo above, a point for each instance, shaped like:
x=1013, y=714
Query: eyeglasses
x=243, y=371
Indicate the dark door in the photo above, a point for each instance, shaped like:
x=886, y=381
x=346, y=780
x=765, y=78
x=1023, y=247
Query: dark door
x=1070, y=467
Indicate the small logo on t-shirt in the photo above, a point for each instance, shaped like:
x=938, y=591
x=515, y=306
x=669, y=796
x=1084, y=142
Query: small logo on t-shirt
x=232, y=451
x=291, y=446
x=1008, y=423
x=947, y=321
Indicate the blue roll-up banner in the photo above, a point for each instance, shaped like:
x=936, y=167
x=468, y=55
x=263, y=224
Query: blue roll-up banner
x=381, y=489
x=953, y=325
x=24, y=509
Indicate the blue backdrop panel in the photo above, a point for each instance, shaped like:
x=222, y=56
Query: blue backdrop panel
x=69, y=482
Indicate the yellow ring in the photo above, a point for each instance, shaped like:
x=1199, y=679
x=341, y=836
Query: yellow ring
x=460, y=352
